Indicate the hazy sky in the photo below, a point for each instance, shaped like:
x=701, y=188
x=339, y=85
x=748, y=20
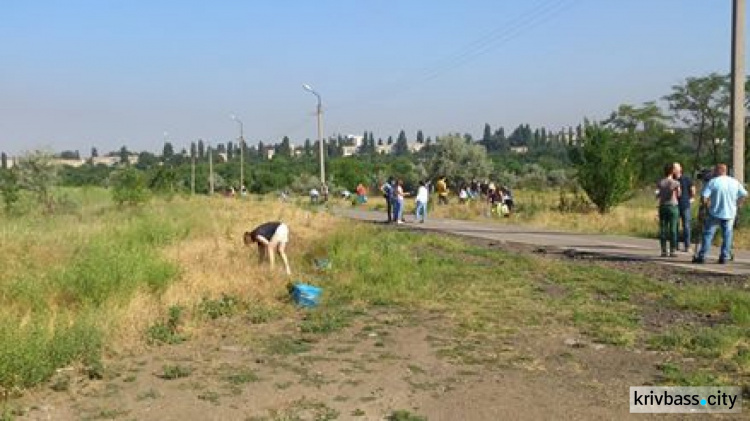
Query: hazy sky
x=76, y=74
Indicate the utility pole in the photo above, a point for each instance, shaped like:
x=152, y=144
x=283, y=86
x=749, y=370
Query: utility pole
x=737, y=116
x=242, y=153
x=320, y=133
x=192, y=173
x=210, y=171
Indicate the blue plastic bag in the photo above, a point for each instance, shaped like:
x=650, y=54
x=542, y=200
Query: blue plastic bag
x=306, y=295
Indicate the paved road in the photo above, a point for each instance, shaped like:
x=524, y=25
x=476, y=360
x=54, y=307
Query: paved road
x=616, y=246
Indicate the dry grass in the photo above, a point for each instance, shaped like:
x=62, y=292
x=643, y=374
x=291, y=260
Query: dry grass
x=214, y=261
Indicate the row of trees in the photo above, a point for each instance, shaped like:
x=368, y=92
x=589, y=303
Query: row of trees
x=692, y=128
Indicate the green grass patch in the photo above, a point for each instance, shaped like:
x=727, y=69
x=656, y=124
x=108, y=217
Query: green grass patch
x=175, y=371
x=286, y=345
x=167, y=331
x=242, y=376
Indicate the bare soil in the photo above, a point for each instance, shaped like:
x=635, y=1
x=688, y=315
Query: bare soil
x=386, y=360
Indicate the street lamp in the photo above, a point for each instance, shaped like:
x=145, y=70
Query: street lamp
x=320, y=132
x=242, y=152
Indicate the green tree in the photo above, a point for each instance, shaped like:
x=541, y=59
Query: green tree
x=124, y=156
x=146, y=161
x=702, y=105
x=605, y=166
x=402, y=146
x=38, y=174
x=9, y=188
x=167, y=154
x=459, y=161
x=285, y=148
x=128, y=186
x=201, y=149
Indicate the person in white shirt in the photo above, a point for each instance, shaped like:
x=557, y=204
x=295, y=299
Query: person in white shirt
x=423, y=196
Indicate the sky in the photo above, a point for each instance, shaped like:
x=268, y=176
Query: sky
x=81, y=73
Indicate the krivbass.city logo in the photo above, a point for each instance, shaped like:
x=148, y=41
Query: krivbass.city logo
x=699, y=400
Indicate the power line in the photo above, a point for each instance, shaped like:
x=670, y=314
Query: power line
x=499, y=36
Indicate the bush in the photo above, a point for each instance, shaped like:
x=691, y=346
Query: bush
x=10, y=189
x=605, y=167
x=128, y=186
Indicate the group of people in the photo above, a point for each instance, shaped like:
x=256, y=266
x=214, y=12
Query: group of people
x=720, y=197
x=500, y=199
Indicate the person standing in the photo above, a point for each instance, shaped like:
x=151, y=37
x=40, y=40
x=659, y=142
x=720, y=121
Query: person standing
x=361, y=194
x=684, y=202
x=722, y=195
x=423, y=196
x=442, y=190
x=399, y=203
x=668, y=190
x=387, y=190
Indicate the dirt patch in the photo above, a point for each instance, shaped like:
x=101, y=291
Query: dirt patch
x=384, y=361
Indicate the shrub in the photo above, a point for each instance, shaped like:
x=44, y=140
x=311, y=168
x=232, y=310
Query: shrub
x=605, y=167
x=128, y=186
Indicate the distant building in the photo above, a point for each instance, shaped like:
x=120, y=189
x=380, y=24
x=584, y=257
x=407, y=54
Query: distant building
x=269, y=152
x=519, y=149
x=349, y=150
x=383, y=149
x=416, y=147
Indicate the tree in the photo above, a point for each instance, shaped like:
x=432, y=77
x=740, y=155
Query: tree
x=128, y=186
x=9, y=188
x=402, y=146
x=38, y=174
x=390, y=140
x=167, y=153
x=70, y=155
x=285, y=148
x=605, y=167
x=201, y=149
x=459, y=161
x=702, y=105
x=3, y=161
x=420, y=137
x=146, y=161
x=488, y=140
x=124, y=156
x=228, y=149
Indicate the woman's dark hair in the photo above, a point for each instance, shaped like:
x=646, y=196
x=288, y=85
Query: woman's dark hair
x=669, y=169
x=248, y=237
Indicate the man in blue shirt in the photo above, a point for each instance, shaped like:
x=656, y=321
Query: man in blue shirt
x=721, y=195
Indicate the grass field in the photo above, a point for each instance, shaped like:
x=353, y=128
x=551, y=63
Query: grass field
x=78, y=284
x=102, y=282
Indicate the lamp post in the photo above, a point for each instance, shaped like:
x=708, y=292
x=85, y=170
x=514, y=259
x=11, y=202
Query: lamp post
x=242, y=152
x=320, y=132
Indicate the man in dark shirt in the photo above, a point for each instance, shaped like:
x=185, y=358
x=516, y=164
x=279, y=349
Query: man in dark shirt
x=687, y=193
x=271, y=237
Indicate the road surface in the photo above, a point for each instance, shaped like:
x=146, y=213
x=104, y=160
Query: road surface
x=613, y=246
